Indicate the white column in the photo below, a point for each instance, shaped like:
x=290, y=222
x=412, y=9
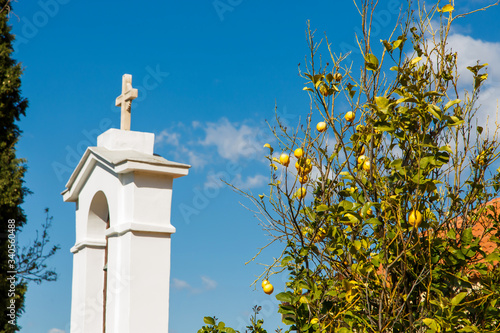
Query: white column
x=139, y=256
x=138, y=288
x=86, y=303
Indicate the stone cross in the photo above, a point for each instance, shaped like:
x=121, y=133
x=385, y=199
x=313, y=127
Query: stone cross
x=125, y=101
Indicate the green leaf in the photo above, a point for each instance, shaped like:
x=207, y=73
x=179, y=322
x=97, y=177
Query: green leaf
x=286, y=260
x=371, y=62
x=374, y=221
x=357, y=245
x=346, y=205
x=453, y=120
x=321, y=208
x=329, y=77
x=479, y=129
x=435, y=111
x=384, y=126
x=425, y=161
x=457, y=299
x=308, y=89
x=433, y=94
x=475, y=69
x=406, y=100
x=446, y=148
x=346, y=175
x=442, y=157
x=396, y=43
x=350, y=87
x=230, y=330
x=284, y=297
x=382, y=103
x=387, y=45
x=495, y=256
x=451, y=103
x=414, y=61
x=344, y=330
x=432, y=324
x=209, y=320
x=317, y=80
x=478, y=80
x=451, y=234
x=467, y=236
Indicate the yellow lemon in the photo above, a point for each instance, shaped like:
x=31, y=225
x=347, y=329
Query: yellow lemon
x=314, y=321
x=415, y=218
x=369, y=212
x=264, y=282
x=366, y=166
x=303, y=300
x=285, y=159
x=303, y=179
x=268, y=288
x=362, y=150
x=321, y=126
x=361, y=159
x=298, y=152
x=337, y=77
x=349, y=116
x=320, y=235
x=301, y=193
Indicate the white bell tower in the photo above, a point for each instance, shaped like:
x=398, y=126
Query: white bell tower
x=121, y=262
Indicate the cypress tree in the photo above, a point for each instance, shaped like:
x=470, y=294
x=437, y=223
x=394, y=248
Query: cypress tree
x=12, y=169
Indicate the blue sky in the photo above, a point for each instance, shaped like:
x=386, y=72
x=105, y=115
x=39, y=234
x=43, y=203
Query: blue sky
x=209, y=74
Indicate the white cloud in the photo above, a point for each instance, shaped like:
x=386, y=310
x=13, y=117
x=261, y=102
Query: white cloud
x=168, y=137
x=470, y=51
x=250, y=181
x=195, y=159
x=208, y=283
x=180, y=284
x=56, y=330
x=233, y=141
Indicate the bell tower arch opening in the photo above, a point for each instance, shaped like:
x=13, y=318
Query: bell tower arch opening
x=97, y=223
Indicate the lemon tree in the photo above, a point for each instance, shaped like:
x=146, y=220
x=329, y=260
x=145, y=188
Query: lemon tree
x=381, y=199
x=379, y=219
